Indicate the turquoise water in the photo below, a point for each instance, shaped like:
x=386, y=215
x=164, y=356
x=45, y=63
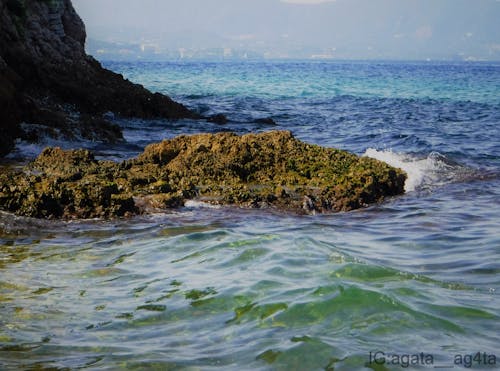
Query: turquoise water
x=206, y=288
x=474, y=82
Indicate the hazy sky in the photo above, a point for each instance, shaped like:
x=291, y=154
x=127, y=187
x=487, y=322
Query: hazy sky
x=403, y=29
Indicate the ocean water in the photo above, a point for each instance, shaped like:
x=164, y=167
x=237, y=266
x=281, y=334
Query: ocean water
x=415, y=279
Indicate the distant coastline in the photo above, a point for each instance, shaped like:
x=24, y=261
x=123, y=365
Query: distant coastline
x=153, y=52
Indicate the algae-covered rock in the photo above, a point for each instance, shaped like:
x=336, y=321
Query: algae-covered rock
x=65, y=184
x=271, y=169
x=274, y=168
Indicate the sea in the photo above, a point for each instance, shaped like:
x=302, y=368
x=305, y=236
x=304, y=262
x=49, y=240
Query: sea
x=410, y=283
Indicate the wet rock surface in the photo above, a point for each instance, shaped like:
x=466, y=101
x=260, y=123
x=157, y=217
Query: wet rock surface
x=264, y=170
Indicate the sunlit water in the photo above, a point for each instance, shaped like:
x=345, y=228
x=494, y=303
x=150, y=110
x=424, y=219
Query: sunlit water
x=224, y=288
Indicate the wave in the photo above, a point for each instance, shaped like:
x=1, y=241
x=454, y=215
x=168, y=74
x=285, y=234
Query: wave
x=432, y=171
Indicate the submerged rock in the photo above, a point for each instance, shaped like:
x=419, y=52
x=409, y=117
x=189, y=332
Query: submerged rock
x=218, y=119
x=265, y=121
x=271, y=169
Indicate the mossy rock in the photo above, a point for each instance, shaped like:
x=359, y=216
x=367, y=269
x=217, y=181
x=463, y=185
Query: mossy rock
x=270, y=169
x=247, y=169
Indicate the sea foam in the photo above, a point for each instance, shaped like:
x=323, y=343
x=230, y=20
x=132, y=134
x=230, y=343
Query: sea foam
x=431, y=171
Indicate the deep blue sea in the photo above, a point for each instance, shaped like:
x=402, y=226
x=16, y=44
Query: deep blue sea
x=413, y=283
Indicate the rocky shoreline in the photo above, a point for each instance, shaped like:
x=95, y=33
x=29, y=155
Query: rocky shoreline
x=49, y=86
x=271, y=169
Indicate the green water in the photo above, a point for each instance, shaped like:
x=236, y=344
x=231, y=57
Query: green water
x=177, y=292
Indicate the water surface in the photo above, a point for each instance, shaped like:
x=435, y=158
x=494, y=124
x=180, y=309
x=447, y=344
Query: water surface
x=205, y=288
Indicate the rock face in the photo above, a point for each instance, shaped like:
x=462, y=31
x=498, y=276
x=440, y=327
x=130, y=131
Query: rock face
x=256, y=170
x=47, y=79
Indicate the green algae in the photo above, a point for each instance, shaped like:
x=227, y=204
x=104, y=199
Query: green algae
x=200, y=294
x=43, y=290
x=270, y=169
x=153, y=307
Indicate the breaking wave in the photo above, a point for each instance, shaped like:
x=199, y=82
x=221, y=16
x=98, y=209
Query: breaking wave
x=432, y=171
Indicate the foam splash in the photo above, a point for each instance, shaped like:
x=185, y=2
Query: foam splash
x=434, y=170
x=195, y=204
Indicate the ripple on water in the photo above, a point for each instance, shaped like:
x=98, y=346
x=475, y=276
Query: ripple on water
x=202, y=288
x=250, y=292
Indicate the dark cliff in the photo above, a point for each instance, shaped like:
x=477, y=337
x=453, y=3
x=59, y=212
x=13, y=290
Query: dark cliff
x=47, y=80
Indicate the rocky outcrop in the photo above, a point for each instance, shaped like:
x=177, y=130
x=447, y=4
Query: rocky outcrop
x=255, y=170
x=47, y=79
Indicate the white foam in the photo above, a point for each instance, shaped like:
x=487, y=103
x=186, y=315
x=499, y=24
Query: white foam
x=430, y=171
x=194, y=204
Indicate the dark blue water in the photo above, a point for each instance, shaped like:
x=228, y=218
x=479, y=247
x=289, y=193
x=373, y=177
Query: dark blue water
x=224, y=288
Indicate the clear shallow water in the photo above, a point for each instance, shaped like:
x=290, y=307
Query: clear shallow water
x=204, y=288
